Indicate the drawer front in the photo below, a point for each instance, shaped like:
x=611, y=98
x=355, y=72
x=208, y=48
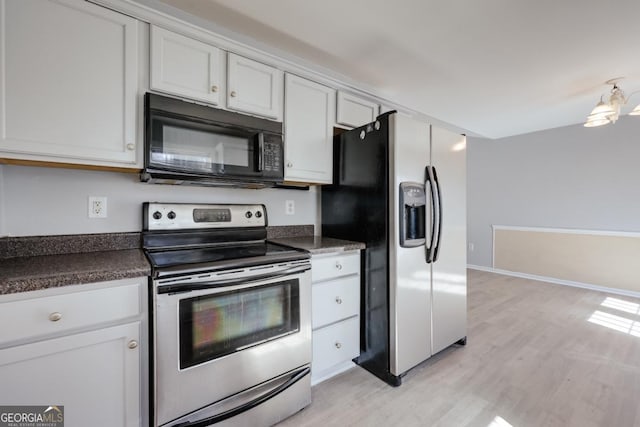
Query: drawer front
x=335, y=300
x=325, y=268
x=59, y=313
x=335, y=344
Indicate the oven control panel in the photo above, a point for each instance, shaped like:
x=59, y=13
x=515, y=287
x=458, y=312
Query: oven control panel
x=182, y=216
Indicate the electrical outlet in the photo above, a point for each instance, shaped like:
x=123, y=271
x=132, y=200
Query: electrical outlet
x=289, y=207
x=97, y=207
x=471, y=247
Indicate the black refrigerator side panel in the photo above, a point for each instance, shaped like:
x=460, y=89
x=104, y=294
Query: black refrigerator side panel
x=355, y=208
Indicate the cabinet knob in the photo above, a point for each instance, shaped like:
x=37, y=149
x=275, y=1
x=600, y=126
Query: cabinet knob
x=338, y=345
x=214, y=88
x=55, y=316
x=338, y=300
x=233, y=94
x=131, y=147
x=132, y=344
x=338, y=265
x=289, y=165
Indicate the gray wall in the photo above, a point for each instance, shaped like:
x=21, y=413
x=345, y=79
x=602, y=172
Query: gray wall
x=44, y=201
x=569, y=177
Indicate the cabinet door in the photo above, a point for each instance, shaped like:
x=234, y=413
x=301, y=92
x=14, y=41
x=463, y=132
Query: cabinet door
x=253, y=87
x=185, y=67
x=309, y=110
x=94, y=375
x=355, y=111
x=68, y=71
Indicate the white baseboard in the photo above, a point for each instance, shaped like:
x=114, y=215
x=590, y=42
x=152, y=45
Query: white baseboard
x=332, y=372
x=556, y=281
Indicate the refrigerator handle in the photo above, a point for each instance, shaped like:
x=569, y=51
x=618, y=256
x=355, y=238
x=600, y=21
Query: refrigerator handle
x=436, y=249
x=429, y=244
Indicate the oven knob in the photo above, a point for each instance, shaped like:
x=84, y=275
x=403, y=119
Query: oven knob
x=248, y=214
x=258, y=214
x=157, y=215
x=171, y=215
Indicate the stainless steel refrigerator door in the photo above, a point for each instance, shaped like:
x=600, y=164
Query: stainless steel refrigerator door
x=449, y=272
x=409, y=281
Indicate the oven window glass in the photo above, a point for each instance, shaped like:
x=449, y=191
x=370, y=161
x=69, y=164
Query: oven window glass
x=215, y=325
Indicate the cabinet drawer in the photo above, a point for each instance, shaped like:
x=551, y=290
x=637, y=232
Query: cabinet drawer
x=335, y=300
x=59, y=313
x=325, y=268
x=335, y=344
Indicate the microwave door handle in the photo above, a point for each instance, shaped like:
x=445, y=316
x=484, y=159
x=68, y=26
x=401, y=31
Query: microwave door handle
x=260, y=150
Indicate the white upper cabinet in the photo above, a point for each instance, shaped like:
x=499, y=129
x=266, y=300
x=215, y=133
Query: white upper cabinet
x=186, y=67
x=309, y=111
x=354, y=111
x=253, y=87
x=69, y=83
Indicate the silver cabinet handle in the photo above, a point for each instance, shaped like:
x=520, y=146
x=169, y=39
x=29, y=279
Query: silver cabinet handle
x=338, y=300
x=131, y=147
x=338, y=345
x=338, y=265
x=214, y=88
x=289, y=165
x=55, y=316
x=132, y=344
x=233, y=94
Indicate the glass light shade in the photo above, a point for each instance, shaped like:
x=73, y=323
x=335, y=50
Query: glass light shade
x=602, y=111
x=593, y=122
x=635, y=111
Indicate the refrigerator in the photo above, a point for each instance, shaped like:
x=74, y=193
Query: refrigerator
x=400, y=187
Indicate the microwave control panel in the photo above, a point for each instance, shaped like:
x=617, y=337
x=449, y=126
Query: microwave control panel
x=272, y=157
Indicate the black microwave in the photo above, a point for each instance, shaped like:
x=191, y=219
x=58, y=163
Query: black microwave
x=188, y=143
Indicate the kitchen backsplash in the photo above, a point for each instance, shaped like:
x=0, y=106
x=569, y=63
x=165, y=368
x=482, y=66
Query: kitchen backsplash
x=37, y=201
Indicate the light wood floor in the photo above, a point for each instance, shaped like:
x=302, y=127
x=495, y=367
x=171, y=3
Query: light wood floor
x=533, y=358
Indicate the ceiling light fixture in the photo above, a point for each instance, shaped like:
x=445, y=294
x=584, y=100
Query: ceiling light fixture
x=608, y=112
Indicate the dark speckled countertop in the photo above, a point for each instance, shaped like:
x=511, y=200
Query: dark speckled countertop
x=23, y=274
x=319, y=244
x=40, y=262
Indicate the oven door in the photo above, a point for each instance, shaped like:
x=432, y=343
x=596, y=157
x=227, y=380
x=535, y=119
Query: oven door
x=225, y=337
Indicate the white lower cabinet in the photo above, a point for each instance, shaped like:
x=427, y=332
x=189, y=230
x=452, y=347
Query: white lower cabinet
x=336, y=313
x=91, y=365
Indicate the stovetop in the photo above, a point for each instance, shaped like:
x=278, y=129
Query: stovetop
x=213, y=254
x=193, y=260
x=181, y=239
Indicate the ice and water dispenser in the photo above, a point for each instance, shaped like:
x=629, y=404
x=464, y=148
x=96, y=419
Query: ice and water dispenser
x=413, y=207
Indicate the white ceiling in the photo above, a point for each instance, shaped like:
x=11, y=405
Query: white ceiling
x=492, y=67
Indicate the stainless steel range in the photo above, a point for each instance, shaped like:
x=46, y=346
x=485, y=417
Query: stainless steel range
x=231, y=317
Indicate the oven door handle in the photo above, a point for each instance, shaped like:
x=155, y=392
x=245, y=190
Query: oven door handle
x=177, y=288
x=295, y=377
